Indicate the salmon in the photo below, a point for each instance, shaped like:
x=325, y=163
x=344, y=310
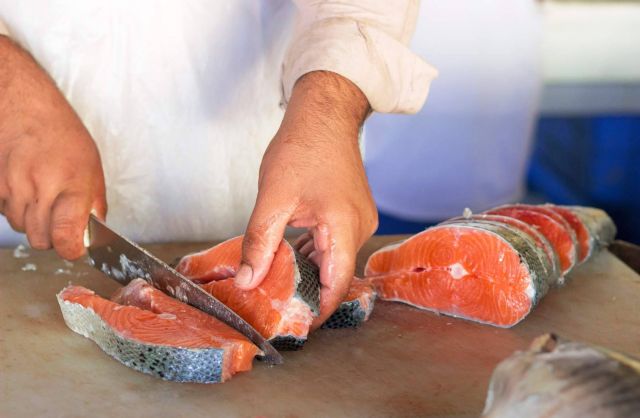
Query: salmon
x=557, y=378
x=552, y=225
x=356, y=307
x=281, y=308
x=540, y=240
x=482, y=270
x=583, y=236
x=153, y=333
x=602, y=230
x=492, y=267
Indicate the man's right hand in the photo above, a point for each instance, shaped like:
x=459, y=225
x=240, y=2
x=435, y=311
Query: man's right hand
x=50, y=171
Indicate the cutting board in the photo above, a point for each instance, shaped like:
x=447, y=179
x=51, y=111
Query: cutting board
x=403, y=362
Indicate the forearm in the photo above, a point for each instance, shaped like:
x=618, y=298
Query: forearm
x=322, y=100
x=28, y=94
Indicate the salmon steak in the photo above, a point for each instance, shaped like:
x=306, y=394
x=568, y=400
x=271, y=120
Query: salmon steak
x=153, y=333
x=552, y=225
x=482, y=270
x=356, y=307
x=491, y=267
x=599, y=230
x=281, y=308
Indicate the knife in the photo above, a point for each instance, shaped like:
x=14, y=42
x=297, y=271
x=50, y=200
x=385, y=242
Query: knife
x=123, y=261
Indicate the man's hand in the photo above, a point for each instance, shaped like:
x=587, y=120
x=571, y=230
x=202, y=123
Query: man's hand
x=312, y=177
x=50, y=171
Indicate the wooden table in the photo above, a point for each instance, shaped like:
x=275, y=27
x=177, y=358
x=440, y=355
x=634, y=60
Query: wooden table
x=403, y=362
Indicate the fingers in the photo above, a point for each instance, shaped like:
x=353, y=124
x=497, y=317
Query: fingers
x=301, y=240
x=69, y=217
x=307, y=248
x=260, y=243
x=18, y=193
x=336, y=255
x=37, y=222
x=15, y=210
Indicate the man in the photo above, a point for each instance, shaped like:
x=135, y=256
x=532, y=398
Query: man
x=173, y=104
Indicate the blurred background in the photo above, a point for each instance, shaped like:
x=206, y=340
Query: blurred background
x=537, y=101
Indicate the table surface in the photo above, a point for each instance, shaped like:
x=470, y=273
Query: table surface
x=403, y=362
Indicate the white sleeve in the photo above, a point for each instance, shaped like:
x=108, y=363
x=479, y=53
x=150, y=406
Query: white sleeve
x=3, y=29
x=366, y=42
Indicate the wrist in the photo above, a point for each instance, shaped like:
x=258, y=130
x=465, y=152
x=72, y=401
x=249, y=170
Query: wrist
x=326, y=99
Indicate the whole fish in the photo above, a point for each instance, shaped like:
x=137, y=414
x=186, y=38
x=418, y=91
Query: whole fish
x=557, y=378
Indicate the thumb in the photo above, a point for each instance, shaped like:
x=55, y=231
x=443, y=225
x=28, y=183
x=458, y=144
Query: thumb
x=260, y=243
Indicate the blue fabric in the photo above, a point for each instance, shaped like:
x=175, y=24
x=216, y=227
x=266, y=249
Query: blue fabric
x=592, y=161
x=390, y=225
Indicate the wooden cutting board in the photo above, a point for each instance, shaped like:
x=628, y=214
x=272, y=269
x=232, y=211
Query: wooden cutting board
x=403, y=362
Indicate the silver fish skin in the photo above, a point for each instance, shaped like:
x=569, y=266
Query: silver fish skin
x=556, y=378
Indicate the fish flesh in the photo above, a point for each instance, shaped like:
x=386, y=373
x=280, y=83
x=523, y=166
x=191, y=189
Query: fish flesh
x=482, y=270
x=533, y=233
x=557, y=378
x=156, y=334
x=281, y=308
x=356, y=307
x=492, y=267
x=584, y=238
x=602, y=230
x=552, y=225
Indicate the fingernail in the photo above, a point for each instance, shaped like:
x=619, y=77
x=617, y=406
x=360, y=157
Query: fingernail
x=244, y=276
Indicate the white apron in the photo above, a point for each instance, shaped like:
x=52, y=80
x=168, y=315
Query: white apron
x=181, y=98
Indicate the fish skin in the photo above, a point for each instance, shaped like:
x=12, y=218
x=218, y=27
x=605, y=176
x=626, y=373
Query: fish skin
x=350, y=314
x=601, y=228
x=356, y=307
x=557, y=378
x=307, y=283
x=198, y=365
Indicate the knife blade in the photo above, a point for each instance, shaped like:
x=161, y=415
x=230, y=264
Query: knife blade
x=123, y=261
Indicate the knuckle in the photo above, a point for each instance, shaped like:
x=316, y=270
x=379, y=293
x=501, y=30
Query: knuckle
x=253, y=241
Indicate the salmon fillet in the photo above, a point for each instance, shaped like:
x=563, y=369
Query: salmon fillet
x=153, y=333
x=281, y=308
